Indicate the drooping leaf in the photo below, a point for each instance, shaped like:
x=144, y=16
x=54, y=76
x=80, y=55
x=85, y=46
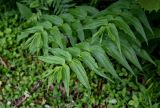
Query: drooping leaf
x=79, y=13
x=58, y=72
x=130, y=54
x=68, y=31
x=61, y=53
x=45, y=42
x=90, y=62
x=52, y=59
x=24, y=10
x=74, y=51
x=77, y=67
x=45, y=25
x=66, y=78
x=122, y=25
x=103, y=60
x=78, y=27
x=136, y=23
x=67, y=17
x=95, y=24
x=57, y=36
x=56, y=20
x=36, y=43
x=112, y=50
x=113, y=35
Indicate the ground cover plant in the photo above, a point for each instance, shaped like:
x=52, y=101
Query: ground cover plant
x=64, y=53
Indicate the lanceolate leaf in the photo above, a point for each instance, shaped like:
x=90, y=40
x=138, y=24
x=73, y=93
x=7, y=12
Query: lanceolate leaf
x=113, y=35
x=122, y=25
x=130, y=54
x=103, y=60
x=78, y=27
x=45, y=42
x=74, y=51
x=56, y=20
x=58, y=72
x=67, y=17
x=36, y=43
x=61, y=53
x=136, y=23
x=112, y=50
x=79, y=13
x=143, y=54
x=96, y=23
x=25, y=11
x=90, y=62
x=52, y=59
x=77, y=67
x=68, y=31
x=66, y=78
x=57, y=36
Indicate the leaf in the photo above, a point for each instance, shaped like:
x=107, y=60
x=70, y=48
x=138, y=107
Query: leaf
x=84, y=46
x=45, y=42
x=78, y=27
x=45, y=25
x=122, y=25
x=95, y=24
x=68, y=31
x=136, y=23
x=113, y=35
x=57, y=36
x=74, y=51
x=67, y=17
x=103, y=60
x=52, y=59
x=143, y=18
x=66, y=78
x=90, y=62
x=143, y=54
x=112, y=50
x=61, y=53
x=25, y=11
x=91, y=10
x=79, y=13
x=22, y=36
x=58, y=72
x=36, y=43
x=77, y=67
x=56, y=20
x=130, y=54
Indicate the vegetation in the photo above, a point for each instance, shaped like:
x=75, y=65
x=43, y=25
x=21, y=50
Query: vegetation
x=64, y=53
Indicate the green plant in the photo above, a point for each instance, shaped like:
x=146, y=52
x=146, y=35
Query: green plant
x=83, y=36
